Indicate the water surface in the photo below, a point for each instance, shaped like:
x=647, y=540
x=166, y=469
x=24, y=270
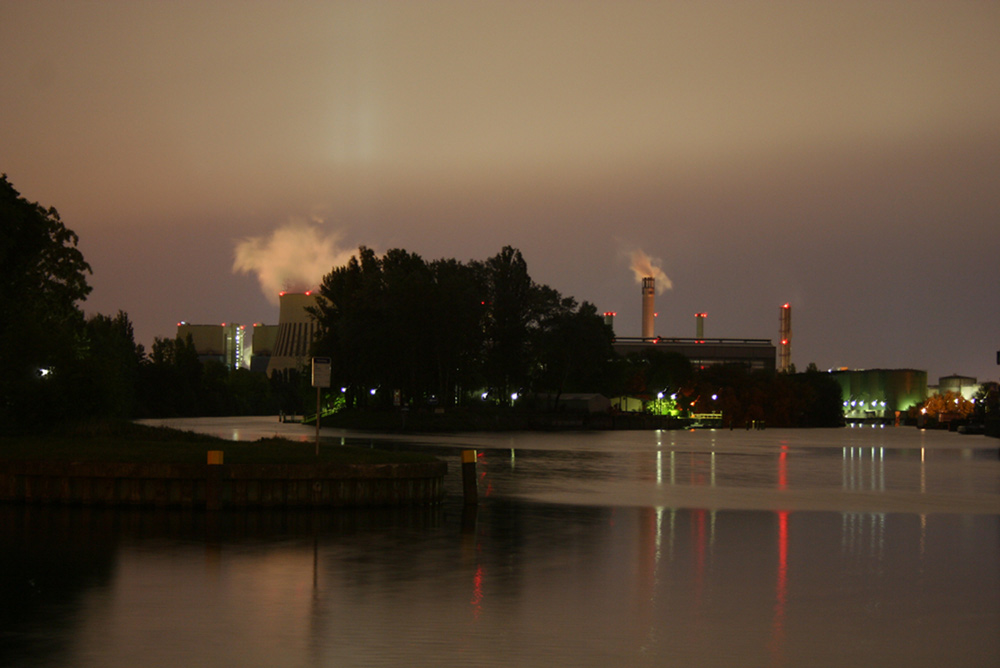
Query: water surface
x=712, y=548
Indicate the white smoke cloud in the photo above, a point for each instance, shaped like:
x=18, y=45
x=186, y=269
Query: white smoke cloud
x=644, y=266
x=295, y=257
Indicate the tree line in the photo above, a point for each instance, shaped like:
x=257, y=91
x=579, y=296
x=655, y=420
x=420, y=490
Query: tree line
x=447, y=333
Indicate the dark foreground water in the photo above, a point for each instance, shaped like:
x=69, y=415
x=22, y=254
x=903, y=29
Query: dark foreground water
x=867, y=547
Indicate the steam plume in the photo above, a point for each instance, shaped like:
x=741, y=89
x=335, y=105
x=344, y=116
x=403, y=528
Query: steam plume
x=643, y=265
x=294, y=258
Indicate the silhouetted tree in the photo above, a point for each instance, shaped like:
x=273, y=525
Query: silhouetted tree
x=170, y=379
x=574, y=350
x=42, y=278
x=106, y=377
x=508, y=314
x=652, y=371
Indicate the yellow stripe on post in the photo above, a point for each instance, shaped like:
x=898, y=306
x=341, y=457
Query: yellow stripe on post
x=215, y=457
x=468, y=456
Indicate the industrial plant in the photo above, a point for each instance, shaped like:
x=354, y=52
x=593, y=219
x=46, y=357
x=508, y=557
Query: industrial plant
x=263, y=348
x=869, y=395
x=756, y=354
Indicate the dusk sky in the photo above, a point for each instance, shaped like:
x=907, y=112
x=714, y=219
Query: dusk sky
x=843, y=157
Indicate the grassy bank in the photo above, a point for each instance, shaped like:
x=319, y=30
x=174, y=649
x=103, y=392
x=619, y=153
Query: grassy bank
x=123, y=441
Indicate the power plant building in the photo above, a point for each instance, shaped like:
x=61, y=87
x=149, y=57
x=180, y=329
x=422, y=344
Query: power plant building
x=264, y=348
x=264, y=338
x=296, y=332
x=877, y=394
x=755, y=354
x=226, y=343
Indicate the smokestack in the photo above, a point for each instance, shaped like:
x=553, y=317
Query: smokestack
x=296, y=329
x=700, y=326
x=785, y=334
x=648, y=297
x=609, y=319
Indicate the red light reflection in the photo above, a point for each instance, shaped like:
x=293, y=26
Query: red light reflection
x=477, y=592
x=781, y=591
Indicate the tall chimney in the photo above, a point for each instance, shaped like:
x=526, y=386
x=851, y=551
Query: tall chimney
x=785, y=334
x=609, y=319
x=700, y=326
x=648, y=292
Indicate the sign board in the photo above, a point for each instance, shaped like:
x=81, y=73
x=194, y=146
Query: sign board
x=322, y=368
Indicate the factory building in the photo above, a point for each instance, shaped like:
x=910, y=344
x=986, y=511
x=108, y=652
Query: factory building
x=965, y=386
x=879, y=394
x=226, y=343
x=755, y=354
x=264, y=338
x=262, y=348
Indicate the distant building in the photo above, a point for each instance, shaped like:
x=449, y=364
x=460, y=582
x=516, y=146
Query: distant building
x=754, y=354
x=966, y=386
x=264, y=338
x=226, y=343
x=262, y=348
x=877, y=394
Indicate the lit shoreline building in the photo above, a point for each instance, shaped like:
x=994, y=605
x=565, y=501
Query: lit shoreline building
x=879, y=394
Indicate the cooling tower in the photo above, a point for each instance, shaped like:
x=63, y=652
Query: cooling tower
x=296, y=329
x=648, y=306
x=785, y=338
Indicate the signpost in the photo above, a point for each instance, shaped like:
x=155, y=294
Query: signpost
x=322, y=368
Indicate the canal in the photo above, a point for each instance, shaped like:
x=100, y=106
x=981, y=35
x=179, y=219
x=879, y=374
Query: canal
x=848, y=547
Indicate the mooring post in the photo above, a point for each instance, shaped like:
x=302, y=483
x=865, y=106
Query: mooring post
x=469, y=487
x=213, y=482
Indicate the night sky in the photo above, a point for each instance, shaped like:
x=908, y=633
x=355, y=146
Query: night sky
x=843, y=157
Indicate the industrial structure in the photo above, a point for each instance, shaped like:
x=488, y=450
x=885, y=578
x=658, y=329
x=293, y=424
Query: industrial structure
x=785, y=338
x=648, y=307
x=264, y=348
x=264, y=338
x=880, y=395
x=296, y=331
x=755, y=354
x=226, y=343
x=964, y=386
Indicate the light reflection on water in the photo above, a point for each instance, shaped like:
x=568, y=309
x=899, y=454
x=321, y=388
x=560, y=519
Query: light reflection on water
x=638, y=548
